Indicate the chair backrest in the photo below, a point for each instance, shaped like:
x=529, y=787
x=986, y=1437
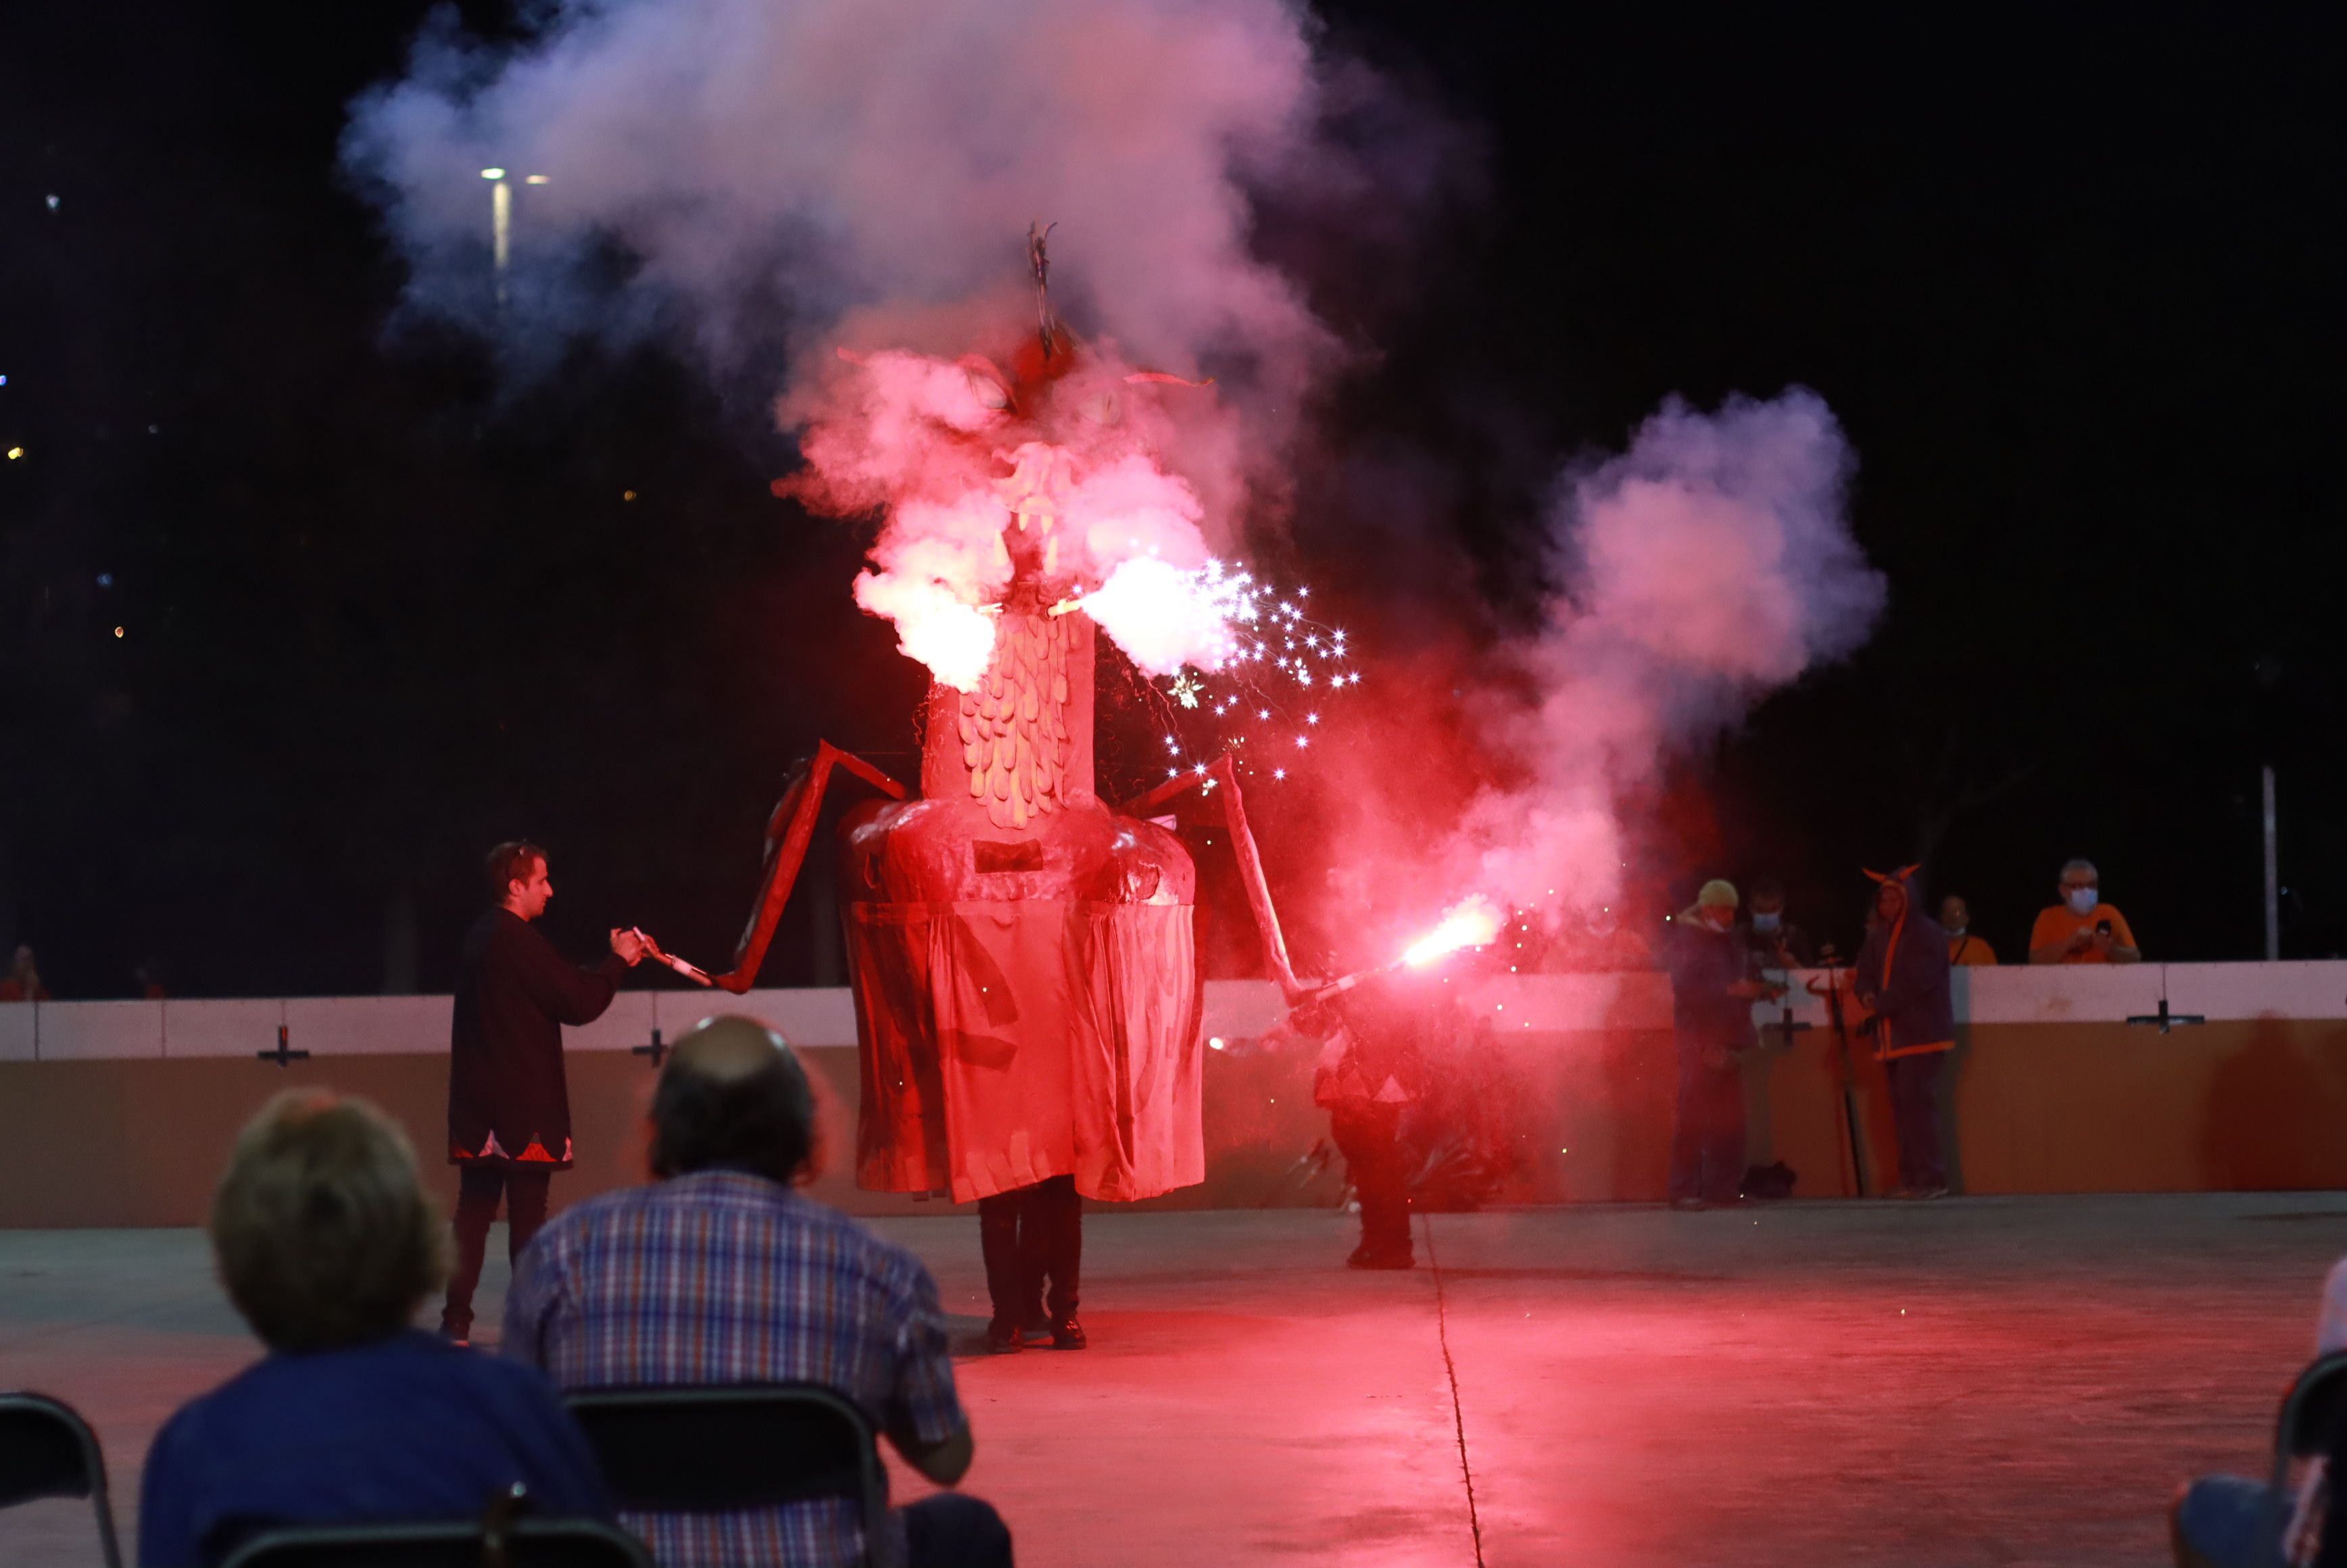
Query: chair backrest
x=2311, y=1414
x=525, y=1543
x=46, y=1449
x=728, y=1447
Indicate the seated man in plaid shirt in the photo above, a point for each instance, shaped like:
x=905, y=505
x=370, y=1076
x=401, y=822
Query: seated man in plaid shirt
x=721, y=1272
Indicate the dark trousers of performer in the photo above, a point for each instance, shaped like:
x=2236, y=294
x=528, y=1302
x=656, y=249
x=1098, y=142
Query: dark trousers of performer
x=1032, y=1236
x=1915, y=1107
x=479, y=1185
x=1708, y=1133
x=1367, y=1133
x=949, y=1531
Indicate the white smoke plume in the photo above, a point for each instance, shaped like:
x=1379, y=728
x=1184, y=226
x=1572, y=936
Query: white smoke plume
x=1707, y=566
x=865, y=169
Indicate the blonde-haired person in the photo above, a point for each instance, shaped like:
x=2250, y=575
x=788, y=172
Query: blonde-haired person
x=326, y=1243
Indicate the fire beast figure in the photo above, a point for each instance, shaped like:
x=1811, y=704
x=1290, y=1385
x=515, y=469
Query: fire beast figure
x=1028, y=999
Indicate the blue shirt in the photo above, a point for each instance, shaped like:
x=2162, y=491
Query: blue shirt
x=407, y=1428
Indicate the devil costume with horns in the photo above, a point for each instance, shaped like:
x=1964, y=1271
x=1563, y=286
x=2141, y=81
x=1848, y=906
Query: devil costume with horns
x=1902, y=979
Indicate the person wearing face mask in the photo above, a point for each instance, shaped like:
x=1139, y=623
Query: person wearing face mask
x=1964, y=950
x=1777, y=943
x=2082, y=929
x=1901, y=979
x=1712, y=993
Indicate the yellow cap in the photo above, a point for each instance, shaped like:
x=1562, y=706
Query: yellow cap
x=1718, y=890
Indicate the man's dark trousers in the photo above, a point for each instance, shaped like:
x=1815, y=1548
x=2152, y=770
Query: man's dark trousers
x=1915, y=1107
x=949, y=1531
x=1368, y=1134
x=478, y=1184
x=1028, y=1235
x=1708, y=1132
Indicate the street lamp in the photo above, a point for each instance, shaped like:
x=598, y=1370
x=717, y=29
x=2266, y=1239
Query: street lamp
x=501, y=221
x=500, y=225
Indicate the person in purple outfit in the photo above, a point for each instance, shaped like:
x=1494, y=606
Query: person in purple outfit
x=1902, y=979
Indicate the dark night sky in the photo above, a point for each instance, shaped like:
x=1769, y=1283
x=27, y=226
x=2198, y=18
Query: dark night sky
x=2067, y=277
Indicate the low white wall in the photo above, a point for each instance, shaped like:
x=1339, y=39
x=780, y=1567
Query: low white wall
x=352, y=1026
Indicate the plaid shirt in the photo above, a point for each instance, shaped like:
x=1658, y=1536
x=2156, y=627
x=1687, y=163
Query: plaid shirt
x=718, y=1277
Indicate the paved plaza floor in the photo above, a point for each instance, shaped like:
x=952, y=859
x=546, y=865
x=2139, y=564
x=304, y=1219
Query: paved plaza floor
x=1987, y=1382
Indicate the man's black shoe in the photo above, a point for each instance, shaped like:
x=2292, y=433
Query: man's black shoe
x=1001, y=1338
x=1067, y=1333
x=1367, y=1257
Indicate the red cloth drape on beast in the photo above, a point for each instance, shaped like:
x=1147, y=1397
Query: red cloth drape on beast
x=1024, y=960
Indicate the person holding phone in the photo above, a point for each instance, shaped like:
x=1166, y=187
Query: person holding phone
x=1712, y=987
x=2082, y=929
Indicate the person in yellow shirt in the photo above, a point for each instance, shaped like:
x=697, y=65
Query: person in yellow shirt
x=2082, y=929
x=1963, y=947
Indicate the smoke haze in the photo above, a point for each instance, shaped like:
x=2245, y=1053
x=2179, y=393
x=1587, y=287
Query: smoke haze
x=849, y=182
x=872, y=166
x=1706, y=568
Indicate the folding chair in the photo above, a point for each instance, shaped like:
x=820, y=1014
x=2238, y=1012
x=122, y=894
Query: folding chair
x=48, y=1451
x=2309, y=1417
x=731, y=1447
x=522, y=1543
x=2305, y=1430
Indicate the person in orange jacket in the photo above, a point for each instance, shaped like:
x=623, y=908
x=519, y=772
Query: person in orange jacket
x=22, y=981
x=1965, y=948
x=2082, y=929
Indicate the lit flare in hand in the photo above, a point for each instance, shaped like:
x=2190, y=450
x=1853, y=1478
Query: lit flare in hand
x=1474, y=924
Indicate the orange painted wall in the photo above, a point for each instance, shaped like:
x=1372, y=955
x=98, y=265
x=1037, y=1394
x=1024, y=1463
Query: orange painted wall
x=2036, y=1108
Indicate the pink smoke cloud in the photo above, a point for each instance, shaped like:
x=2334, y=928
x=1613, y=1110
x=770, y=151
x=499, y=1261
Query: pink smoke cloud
x=1704, y=569
x=873, y=165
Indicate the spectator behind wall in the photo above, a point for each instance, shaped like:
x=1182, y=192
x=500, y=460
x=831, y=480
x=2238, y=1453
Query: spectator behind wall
x=327, y=1246
x=2082, y=929
x=1963, y=947
x=23, y=983
x=1775, y=942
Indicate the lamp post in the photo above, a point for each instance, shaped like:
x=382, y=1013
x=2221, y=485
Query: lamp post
x=501, y=222
x=500, y=226
x=2273, y=874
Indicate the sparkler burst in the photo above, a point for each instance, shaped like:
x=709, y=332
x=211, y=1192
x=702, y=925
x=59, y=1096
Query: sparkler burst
x=1271, y=659
x=1472, y=924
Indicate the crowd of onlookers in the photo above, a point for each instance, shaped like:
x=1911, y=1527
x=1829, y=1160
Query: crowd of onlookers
x=2078, y=927
x=719, y=1271
x=22, y=981
x=1727, y=952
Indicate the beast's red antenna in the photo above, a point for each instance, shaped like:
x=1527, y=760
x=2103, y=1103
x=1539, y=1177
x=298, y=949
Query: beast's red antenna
x=1038, y=236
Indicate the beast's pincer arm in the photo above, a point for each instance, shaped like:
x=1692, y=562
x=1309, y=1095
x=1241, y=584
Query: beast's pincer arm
x=1221, y=776
x=788, y=832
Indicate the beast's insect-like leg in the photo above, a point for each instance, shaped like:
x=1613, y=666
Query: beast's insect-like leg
x=1220, y=775
x=788, y=832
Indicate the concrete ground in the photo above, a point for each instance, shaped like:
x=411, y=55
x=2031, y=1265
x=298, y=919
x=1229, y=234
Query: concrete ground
x=2007, y=1381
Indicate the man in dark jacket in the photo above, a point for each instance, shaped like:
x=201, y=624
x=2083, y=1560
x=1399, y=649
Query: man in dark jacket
x=508, y=1104
x=1902, y=979
x=1712, y=993
x=1776, y=941
x=1372, y=1069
